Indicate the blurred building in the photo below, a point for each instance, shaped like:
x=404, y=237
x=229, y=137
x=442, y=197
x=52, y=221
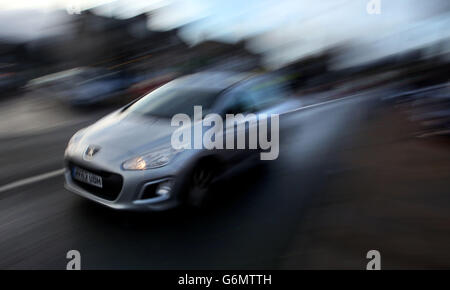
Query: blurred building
x=95, y=40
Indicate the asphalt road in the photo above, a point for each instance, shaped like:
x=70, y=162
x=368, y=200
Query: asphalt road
x=250, y=223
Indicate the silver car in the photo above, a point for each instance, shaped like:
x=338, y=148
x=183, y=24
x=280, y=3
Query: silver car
x=126, y=161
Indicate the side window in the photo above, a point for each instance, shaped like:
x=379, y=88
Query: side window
x=266, y=96
x=254, y=98
x=240, y=102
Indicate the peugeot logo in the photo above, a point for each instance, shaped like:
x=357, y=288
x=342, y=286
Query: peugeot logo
x=91, y=151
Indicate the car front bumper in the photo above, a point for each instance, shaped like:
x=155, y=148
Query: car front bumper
x=151, y=204
x=133, y=193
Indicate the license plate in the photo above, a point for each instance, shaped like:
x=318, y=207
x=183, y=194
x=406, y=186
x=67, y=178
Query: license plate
x=87, y=177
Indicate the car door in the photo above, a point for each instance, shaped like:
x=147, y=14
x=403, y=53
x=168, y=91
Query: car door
x=241, y=105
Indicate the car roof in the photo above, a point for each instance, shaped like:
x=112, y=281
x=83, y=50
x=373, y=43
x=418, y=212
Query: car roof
x=212, y=80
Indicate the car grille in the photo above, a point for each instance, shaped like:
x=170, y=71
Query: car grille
x=112, y=182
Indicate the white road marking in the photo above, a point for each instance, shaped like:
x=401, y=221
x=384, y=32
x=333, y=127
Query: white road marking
x=30, y=180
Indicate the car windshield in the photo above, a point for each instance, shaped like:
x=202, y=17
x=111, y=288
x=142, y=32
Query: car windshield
x=166, y=102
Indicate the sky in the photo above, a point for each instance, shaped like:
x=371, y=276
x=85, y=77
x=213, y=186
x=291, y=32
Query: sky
x=288, y=29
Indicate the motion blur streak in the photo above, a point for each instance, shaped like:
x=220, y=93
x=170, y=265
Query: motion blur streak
x=364, y=162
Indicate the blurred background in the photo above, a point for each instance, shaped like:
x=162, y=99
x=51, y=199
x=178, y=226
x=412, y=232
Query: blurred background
x=367, y=166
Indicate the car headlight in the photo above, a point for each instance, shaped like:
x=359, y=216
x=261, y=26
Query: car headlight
x=74, y=140
x=154, y=159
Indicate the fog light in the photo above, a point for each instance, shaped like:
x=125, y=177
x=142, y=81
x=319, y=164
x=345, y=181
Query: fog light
x=164, y=188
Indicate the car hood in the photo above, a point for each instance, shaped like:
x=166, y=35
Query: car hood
x=122, y=136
